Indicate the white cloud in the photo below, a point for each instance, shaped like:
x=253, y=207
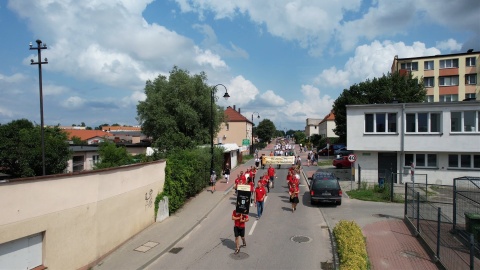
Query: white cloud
x=241, y=92
x=54, y=90
x=6, y=112
x=270, y=98
x=73, y=103
x=449, y=45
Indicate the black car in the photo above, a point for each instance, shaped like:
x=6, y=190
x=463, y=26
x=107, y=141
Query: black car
x=324, y=187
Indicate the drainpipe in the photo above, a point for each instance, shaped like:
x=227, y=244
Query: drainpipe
x=402, y=142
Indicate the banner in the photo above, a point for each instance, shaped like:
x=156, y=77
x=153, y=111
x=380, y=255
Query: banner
x=278, y=160
x=243, y=199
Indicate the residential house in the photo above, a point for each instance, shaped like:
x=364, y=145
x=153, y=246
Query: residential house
x=327, y=125
x=311, y=127
x=89, y=136
x=448, y=77
x=437, y=141
x=236, y=129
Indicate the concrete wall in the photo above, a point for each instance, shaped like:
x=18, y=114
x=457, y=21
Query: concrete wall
x=82, y=216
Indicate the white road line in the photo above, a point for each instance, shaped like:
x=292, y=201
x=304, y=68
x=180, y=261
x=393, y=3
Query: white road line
x=255, y=222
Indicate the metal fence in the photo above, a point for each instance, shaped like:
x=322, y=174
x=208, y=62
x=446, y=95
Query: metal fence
x=432, y=211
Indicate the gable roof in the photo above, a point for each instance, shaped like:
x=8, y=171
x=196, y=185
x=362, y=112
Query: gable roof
x=329, y=117
x=232, y=115
x=85, y=134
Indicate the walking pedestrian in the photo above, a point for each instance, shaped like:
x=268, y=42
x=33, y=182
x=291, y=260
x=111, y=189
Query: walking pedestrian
x=271, y=175
x=260, y=194
x=226, y=172
x=213, y=181
x=293, y=192
x=239, y=229
x=257, y=162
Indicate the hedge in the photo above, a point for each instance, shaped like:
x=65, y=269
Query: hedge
x=351, y=246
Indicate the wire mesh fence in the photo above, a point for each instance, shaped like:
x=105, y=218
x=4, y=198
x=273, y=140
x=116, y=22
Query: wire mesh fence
x=432, y=211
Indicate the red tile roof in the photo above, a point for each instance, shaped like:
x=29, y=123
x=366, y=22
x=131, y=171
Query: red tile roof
x=328, y=117
x=232, y=115
x=85, y=134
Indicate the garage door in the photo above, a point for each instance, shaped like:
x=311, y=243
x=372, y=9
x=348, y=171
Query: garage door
x=23, y=253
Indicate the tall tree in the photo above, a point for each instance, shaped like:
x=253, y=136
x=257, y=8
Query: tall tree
x=21, y=151
x=266, y=130
x=113, y=156
x=390, y=87
x=176, y=112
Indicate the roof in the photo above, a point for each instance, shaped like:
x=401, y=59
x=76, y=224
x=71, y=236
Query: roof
x=83, y=148
x=120, y=128
x=438, y=56
x=229, y=147
x=234, y=116
x=329, y=117
x=85, y=134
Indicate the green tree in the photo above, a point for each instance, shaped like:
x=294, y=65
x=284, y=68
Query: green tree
x=393, y=86
x=113, y=156
x=299, y=136
x=177, y=110
x=21, y=149
x=266, y=130
x=78, y=141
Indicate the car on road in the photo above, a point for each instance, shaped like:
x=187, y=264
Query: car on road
x=342, y=162
x=331, y=150
x=324, y=188
x=343, y=151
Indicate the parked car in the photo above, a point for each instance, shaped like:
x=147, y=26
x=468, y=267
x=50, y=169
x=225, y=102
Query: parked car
x=342, y=162
x=324, y=187
x=343, y=151
x=331, y=151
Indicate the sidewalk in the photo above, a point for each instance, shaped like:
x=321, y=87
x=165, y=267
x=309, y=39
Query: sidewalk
x=151, y=243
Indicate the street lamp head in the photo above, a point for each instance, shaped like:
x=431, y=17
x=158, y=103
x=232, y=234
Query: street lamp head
x=38, y=42
x=258, y=116
x=226, y=96
x=31, y=45
x=31, y=60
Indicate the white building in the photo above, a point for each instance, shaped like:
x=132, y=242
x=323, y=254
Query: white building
x=442, y=140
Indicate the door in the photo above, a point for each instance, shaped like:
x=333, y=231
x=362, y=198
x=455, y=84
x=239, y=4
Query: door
x=387, y=163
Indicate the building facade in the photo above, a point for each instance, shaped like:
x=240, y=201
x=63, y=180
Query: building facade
x=449, y=77
x=327, y=125
x=236, y=129
x=311, y=127
x=438, y=141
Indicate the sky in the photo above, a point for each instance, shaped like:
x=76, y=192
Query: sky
x=285, y=60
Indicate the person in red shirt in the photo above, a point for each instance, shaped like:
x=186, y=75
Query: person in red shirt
x=260, y=194
x=264, y=180
x=252, y=189
x=253, y=172
x=239, y=229
x=271, y=174
x=293, y=192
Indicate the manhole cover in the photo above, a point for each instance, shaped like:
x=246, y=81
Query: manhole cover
x=301, y=239
x=175, y=250
x=239, y=256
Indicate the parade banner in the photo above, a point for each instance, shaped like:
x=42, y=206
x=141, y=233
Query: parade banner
x=243, y=199
x=278, y=160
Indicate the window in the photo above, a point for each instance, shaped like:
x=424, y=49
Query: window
x=449, y=63
x=409, y=66
x=380, y=122
x=470, y=61
x=227, y=126
x=466, y=121
x=429, y=81
x=471, y=79
x=448, y=81
x=423, y=122
x=448, y=98
x=428, y=65
x=470, y=96
x=421, y=160
x=464, y=161
x=96, y=159
x=429, y=98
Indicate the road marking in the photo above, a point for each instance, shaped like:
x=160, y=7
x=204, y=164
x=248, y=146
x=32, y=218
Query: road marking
x=255, y=222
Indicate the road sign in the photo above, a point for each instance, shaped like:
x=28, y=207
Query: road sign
x=352, y=158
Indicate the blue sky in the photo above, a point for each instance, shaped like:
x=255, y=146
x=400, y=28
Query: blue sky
x=287, y=60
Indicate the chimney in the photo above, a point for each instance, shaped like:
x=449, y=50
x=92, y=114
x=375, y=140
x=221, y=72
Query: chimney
x=239, y=110
x=234, y=108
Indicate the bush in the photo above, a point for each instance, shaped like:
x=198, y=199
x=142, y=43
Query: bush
x=351, y=246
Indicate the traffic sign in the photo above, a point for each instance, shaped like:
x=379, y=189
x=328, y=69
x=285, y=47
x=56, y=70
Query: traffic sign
x=352, y=158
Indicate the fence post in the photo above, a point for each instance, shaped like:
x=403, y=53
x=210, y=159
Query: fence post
x=454, y=205
x=391, y=186
x=418, y=212
x=472, y=251
x=439, y=217
x=359, y=175
x=406, y=197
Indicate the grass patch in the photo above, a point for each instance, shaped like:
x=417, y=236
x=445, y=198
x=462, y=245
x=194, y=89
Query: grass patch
x=374, y=194
x=324, y=162
x=246, y=158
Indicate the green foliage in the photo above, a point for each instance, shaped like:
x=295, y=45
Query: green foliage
x=113, y=156
x=299, y=136
x=266, y=130
x=21, y=149
x=377, y=91
x=187, y=173
x=375, y=194
x=323, y=142
x=177, y=112
x=77, y=141
x=352, y=248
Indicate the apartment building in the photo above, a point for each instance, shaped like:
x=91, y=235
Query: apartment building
x=447, y=78
x=440, y=141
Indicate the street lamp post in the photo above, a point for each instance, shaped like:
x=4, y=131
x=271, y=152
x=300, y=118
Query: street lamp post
x=226, y=96
x=258, y=116
x=40, y=46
